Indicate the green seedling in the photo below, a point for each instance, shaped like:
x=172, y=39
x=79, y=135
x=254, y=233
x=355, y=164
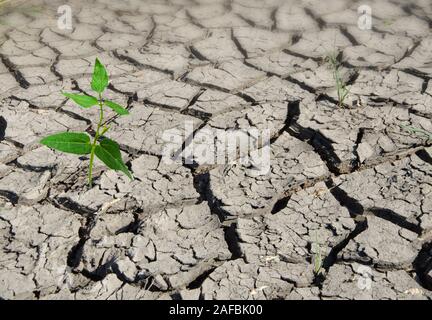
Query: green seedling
x=105, y=149
x=342, y=91
x=421, y=132
x=388, y=22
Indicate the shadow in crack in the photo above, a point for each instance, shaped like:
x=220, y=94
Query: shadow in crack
x=12, y=197
x=15, y=72
x=3, y=126
x=202, y=186
x=356, y=211
x=280, y=204
x=68, y=204
x=423, y=266
x=395, y=218
x=425, y=156
x=195, y=284
x=320, y=144
x=354, y=207
x=75, y=253
x=332, y=257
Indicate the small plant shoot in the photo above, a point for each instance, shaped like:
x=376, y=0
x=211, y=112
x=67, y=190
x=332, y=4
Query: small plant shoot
x=342, y=91
x=420, y=132
x=80, y=143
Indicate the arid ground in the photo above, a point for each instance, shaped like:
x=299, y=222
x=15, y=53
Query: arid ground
x=344, y=212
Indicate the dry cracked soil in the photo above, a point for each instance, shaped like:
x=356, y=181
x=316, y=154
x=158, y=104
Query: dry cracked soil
x=345, y=211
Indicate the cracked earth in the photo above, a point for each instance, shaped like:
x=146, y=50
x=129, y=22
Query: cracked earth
x=348, y=184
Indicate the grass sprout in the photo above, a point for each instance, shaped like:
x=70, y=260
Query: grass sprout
x=342, y=91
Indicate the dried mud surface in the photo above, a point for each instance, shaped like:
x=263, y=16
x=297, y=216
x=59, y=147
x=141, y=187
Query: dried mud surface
x=346, y=184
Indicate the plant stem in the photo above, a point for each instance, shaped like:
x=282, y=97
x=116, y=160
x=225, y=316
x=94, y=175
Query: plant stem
x=96, y=137
x=340, y=85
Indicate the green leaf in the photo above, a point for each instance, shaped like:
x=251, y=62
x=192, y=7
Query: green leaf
x=100, y=77
x=117, y=108
x=108, y=152
x=82, y=99
x=70, y=142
